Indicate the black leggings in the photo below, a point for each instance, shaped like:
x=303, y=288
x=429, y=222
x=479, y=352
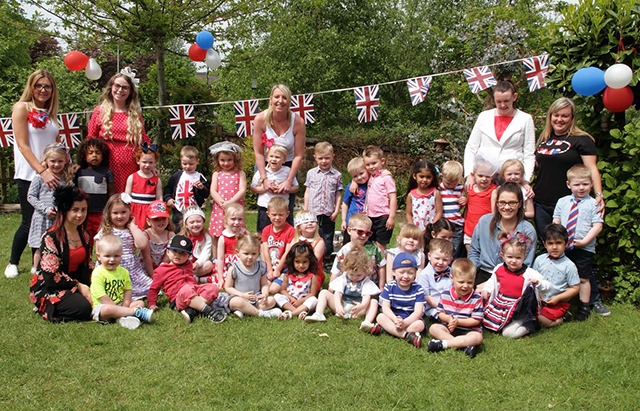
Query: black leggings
x=21, y=236
x=73, y=308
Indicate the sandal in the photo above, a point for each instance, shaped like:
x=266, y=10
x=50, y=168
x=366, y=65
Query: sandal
x=286, y=315
x=303, y=315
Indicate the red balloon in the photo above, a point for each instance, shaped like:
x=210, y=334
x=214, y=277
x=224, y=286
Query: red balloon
x=75, y=60
x=196, y=53
x=617, y=100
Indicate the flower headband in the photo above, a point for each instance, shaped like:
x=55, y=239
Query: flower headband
x=520, y=238
x=146, y=148
x=224, y=146
x=131, y=74
x=63, y=197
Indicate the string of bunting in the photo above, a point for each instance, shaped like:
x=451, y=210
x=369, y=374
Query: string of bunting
x=367, y=101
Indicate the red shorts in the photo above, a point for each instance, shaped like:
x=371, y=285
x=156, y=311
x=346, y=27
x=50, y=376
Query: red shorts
x=553, y=312
x=188, y=291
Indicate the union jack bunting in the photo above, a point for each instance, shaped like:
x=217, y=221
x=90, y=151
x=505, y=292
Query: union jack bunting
x=536, y=70
x=70, y=133
x=418, y=88
x=479, y=78
x=245, y=111
x=182, y=121
x=302, y=104
x=367, y=103
x=6, y=132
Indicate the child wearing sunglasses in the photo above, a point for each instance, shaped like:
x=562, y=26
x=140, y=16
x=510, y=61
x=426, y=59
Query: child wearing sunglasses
x=359, y=229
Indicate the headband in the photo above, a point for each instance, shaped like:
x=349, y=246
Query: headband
x=61, y=146
x=224, y=146
x=192, y=211
x=131, y=74
x=520, y=238
x=304, y=218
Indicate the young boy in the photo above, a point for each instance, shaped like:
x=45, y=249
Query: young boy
x=381, y=204
x=111, y=288
x=186, y=188
x=177, y=281
x=275, y=238
x=353, y=200
x=360, y=230
x=451, y=191
x=402, y=303
x=276, y=173
x=322, y=196
x=561, y=272
x=353, y=292
x=436, y=276
x=460, y=312
x=578, y=213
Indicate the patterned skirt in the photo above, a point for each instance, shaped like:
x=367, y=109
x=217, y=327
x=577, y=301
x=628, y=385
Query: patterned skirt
x=499, y=312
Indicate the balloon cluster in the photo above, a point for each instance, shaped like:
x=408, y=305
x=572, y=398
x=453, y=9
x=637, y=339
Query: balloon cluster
x=201, y=50
x=617, y=96
x=76, y=61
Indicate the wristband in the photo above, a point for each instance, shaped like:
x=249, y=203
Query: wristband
x=599, y=195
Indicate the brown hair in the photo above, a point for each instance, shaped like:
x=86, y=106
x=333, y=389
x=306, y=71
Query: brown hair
x=107, y=224
x=463, y=268
x=508, y=187
x=189, y=152
x=248, y=240
x=356, y=259
x=371, y=151
x=446, y=247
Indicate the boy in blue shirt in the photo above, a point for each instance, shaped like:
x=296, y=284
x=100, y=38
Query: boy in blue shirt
x=354, y=196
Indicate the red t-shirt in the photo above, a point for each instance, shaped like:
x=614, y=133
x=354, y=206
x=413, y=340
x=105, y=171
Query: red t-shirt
x=76, y=258
x=277, y=241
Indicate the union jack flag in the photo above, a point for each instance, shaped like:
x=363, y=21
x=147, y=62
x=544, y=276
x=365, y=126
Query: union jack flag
x=479, y=78
x=182, y=121
x=69, y=129
x=6, y=132
x=302, y=104
x=418, y=88
x=367, y=103
x=184, y=196
x=246, y=111
x=536, y=70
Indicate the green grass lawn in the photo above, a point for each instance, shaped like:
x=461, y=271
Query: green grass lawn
x=262, y=364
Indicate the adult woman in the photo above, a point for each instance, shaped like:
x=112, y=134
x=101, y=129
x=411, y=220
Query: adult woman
x=278, y=125
x=35, y=125
x=502, y=133
x=508, y=217
x=118, y=120
x=60, y=286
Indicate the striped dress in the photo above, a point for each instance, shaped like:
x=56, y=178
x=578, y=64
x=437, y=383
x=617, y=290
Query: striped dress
x=143, y=192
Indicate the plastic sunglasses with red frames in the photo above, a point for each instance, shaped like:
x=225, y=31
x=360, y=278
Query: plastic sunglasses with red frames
x=359, y=232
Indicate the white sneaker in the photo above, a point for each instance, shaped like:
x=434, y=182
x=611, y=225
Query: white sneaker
x=33, y=270
x=366, y=326
x=129, y=322
x=272, y=313
x=315, y=317
x=238, y=314
x=11, y=271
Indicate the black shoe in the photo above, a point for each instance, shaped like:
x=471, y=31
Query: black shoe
x=435, y=346
x=216, y=316
x=583, y=313
x=189, y=314
x=471, y=351
x=567, y=316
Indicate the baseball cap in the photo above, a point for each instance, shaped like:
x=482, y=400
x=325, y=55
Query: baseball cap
x=180, y=243
x=404, y=260
x=157, y=209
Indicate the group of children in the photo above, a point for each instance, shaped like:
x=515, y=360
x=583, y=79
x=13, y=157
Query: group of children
x=278, y=273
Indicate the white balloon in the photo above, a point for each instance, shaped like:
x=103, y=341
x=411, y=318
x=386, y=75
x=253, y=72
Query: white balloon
x=92, y=70
x=618, y=76
x=213, y=59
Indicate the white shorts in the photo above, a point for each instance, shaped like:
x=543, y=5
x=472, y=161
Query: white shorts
x=95, y=313
x=310, y=302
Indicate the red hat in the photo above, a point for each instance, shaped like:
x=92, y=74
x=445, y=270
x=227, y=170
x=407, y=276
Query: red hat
x=158, y=209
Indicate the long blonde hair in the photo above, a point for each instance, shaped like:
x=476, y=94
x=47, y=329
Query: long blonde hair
x=268, y=113
x=134, y=112
x=52, y=103
x=107, y=225
x=62, y=150
x=574, y=129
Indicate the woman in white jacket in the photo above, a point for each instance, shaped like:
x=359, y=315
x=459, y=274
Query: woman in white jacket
x=502, y=133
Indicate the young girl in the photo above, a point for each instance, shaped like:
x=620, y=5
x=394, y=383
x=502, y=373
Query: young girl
x=443, y=229
x=247, y=282
x=144, y=185
x=410, y=240
x=95, y=178
x=306, y=226
x=424, y=203
x=117, y=220
x=234, y=224
x=193, y=227
x=56, y=159
x=513, y=171
x=508, y=290
x=159, y=229
x=228, y=184
x=479, y=197
x=300, y=286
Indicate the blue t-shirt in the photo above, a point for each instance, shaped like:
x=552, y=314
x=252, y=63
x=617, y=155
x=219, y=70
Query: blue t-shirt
x=403, y=302
x=354, y=201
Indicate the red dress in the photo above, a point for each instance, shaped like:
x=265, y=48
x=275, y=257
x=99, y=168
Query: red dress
x=122, y=161
x=143, y=192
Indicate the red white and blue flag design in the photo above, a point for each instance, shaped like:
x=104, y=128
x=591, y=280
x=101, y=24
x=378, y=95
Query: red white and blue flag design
x=367, y=103
x=184, y=195
x=302, y=105
x=418, y=88
x=182, y=120
x=6, y=132
x=70, y=133
x=479, y=78
x=536, y=70
x=245, y=111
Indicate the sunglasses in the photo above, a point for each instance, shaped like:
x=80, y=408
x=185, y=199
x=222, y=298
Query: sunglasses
x=361, y=233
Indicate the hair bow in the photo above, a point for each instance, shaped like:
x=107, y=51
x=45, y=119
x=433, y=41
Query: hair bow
x=267, y=141
x=520, y=238
x=224, y=146
x=131, y=74
x=125, y=198
x=146, y=148
x=64, y=197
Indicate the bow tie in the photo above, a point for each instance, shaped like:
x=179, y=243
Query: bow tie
x=440, y=275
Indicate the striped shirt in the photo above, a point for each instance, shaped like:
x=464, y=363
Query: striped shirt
x=403, y=302
x=323, y=188
x=465, y=307
x=450, y=206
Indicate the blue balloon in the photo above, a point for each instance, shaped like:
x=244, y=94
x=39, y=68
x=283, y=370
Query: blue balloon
x=204, y=40
x=588, y=81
